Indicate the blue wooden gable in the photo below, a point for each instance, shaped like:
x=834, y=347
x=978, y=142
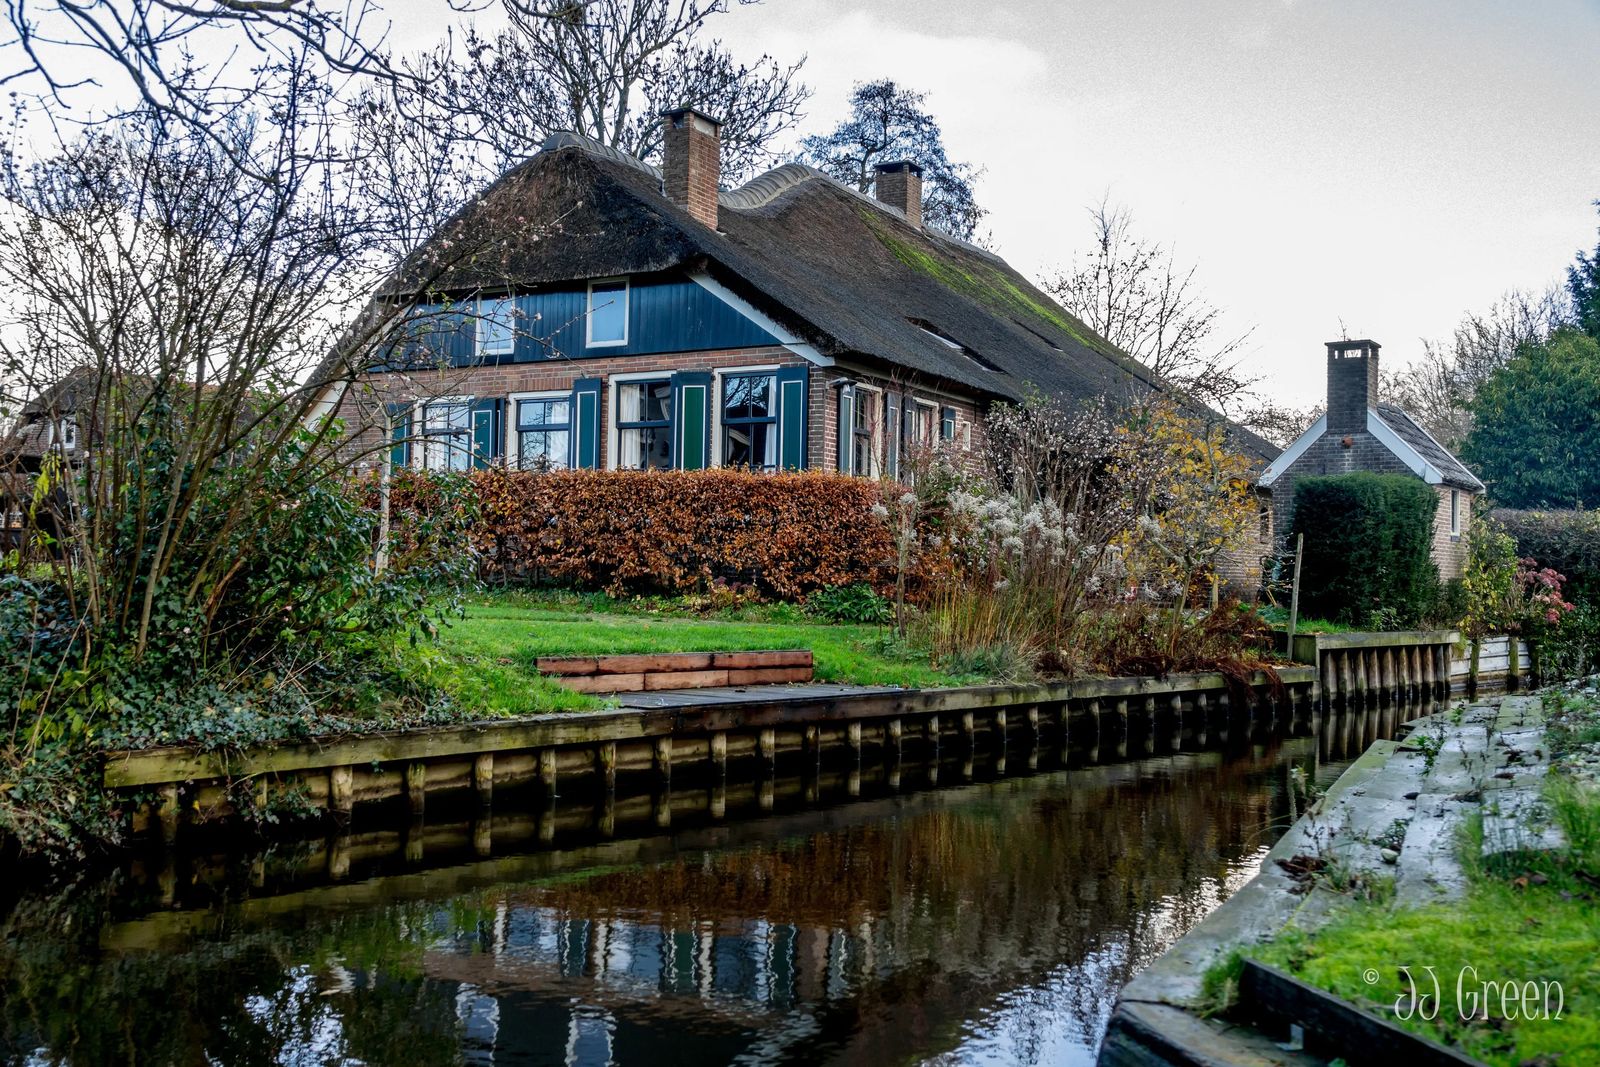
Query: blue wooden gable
x=664, y=315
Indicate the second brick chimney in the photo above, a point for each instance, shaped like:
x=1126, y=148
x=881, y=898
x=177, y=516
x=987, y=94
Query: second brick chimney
x=691, y=165
x=1352, y=384
x=899, y=185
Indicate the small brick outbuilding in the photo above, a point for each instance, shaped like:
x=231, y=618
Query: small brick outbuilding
x=1360, y=434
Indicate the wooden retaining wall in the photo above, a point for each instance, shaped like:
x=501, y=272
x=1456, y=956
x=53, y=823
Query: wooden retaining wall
x=1364, y=667
x=481, y=757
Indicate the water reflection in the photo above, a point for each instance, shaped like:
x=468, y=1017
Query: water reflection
x=984, y=922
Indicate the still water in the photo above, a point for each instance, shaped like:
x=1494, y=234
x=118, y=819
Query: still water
x=968, y=911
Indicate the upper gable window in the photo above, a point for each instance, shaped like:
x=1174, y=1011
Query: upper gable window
x=496, y=335
x=608, y=313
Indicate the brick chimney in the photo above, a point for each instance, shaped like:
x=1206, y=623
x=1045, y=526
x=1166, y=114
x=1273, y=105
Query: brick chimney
x=1352, y=384
x=899, y=185
x=692, y=165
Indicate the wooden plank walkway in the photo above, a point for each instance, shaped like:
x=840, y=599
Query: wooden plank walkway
x=687, y=698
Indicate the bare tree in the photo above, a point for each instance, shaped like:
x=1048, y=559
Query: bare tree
x=1279, y=423
x=1438, y=388
x=1134, y=293
x=610, y=75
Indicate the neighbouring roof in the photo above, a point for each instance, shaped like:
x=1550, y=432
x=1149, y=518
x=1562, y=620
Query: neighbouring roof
x=848, y=274
x=1399, y=433
x=1451, y=470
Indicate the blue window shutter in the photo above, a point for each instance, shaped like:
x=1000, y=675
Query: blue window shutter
x=586, y=423
x=847, y=425
x=793, y=412
x=691, y=420
x=399, y=434
x=486, y=434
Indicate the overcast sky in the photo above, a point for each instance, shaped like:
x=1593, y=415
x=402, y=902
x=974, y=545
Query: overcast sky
x=1369, y=166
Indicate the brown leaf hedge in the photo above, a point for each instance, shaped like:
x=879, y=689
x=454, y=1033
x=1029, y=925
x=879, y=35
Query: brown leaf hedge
x=780, y=536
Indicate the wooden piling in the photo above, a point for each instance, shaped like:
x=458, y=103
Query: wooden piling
x=605, y=756
x=416, y=785
x=168, y=812
x=547, y=771
x=483, y=777
x=719, y=753
x=767, y=745
x=852, y=737
x=663, y=759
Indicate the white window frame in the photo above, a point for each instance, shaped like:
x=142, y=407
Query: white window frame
x=511, y=449
x=65, y=430
x=588, y=312
x=875, y=449
x=614, y=383
x=717, y=374
x=1455, y=513
x=481, y=347
x=419, y=426
x=932, y=437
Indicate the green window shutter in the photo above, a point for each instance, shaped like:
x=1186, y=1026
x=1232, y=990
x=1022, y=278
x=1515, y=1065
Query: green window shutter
x=847, y=425
x=486, y=434
x=691, y=423
x=792, y=418
x=586, y=422
x=399, y=434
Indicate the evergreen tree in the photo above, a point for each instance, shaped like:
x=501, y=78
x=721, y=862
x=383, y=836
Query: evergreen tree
x=1583, y=283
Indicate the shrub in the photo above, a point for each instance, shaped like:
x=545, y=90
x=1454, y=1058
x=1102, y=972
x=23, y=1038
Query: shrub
x=1368, y=547
x=1564, y=541
x=857, y=602
x=780, y=536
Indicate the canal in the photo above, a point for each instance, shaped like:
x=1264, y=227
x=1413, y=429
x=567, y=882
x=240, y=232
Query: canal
x=980, y=908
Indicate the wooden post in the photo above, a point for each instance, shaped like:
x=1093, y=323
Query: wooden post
x=931, y=732
x=719, y=753
x=547, y=771
x=483, y=777
x=605, y=755
x=341, y=789
x=606, y=821
x=168, y=813
x=968, y=732
x=718, y=801
x=893, y=731
x=661, y=808
x=1000, y=729
x=338, y=856
x=852, y=737
x=416, y=785
x=261, y=794
x=1294, y=591
x=483, y=835
x=1472, y=668
x=811, y=740
x=1513, y=664
x=1033, y=720
x=767, y=744
x=663, y=758
x=413, y=847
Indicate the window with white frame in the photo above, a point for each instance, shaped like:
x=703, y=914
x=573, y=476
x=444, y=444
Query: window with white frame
x=543, y=431
x=750, y=421
x=947, y=424
x=497, y=335
x=446, y=435
x=607, y=317
x=863, y=424
x=920, y=433
x=644, y=425
x=67, y=431
x=1455, y=513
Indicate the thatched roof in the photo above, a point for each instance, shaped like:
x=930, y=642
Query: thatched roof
x=843, y=271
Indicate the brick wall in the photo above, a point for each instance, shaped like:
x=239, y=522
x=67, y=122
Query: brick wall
x=1450, y=550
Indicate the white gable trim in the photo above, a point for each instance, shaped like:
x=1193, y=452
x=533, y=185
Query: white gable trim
x=325, y=405
x=1402, y=451
x=1276, y=468
x=785, y=337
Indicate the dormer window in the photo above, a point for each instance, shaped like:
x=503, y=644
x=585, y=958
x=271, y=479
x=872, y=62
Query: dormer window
x=67, y=433
x=607, y=318
x=496, y=334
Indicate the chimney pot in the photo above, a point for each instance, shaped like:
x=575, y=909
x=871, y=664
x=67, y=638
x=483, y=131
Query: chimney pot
x=691, y=165
x=899, y=184
x=1352, y=385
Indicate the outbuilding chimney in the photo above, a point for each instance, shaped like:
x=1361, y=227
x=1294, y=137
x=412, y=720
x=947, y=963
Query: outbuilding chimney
x=899, y=185
x=691, y=165
x=1352, y=384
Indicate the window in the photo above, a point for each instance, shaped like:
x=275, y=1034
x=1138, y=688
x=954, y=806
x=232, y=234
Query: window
x=68, y=430
x=920, y=432
x=750, y=421
x=608, y=314
x=861, y=434
x=543, y=429
x=1455, y=513
x=947, y=424
x=496, y=333
x=447, y=436
x=644, y=425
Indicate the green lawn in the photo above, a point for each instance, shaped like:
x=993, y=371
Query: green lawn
x=499, y=640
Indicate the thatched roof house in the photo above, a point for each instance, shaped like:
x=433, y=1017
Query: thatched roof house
x=591, y=310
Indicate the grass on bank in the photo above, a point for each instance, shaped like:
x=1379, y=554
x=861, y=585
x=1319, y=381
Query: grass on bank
x=1527, y=918
x=488, y=657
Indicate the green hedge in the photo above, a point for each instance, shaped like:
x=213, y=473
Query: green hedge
x=1566, y=541
x=1368, y=555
